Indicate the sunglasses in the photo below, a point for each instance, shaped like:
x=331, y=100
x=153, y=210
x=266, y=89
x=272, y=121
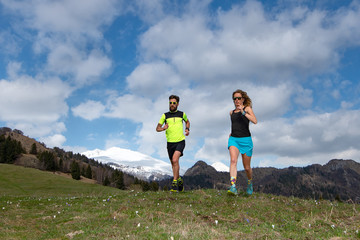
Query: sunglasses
x=238, y=98
x=173, y=103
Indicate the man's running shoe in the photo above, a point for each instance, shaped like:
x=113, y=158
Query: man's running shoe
x=249, y=189
x=232, y=190
x=180, y=182
x=174, y=186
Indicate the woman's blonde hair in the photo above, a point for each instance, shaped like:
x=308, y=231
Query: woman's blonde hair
x=247, y=101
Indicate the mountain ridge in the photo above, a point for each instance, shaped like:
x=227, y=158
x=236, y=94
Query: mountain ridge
x=338, y=179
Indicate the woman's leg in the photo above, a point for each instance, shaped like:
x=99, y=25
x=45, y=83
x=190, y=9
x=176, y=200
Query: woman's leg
x=234, y=155
x=246, y=162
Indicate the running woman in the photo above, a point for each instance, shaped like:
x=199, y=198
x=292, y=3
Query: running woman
x=240, y=141
x=172, y=122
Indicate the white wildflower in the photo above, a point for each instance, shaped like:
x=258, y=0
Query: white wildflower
x=216, y=222
x=333, y=226
x=54, y=216
x=138, y=225
x=273, y=226
x=309, y=225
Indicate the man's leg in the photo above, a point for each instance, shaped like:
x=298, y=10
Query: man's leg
x=175, y=164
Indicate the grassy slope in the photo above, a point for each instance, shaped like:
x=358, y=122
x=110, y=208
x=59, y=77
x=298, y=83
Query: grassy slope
x=21, y=181
x=41, y=205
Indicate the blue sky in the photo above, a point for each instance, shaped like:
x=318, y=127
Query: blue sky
x=92, y=74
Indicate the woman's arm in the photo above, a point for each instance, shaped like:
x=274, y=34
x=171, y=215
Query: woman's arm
x=250, y=115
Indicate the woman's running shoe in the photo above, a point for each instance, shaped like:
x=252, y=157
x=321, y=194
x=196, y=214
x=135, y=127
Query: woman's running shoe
x=232, y=190
x=249, y=189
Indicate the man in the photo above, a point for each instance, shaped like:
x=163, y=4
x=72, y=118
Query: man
x=172, y=122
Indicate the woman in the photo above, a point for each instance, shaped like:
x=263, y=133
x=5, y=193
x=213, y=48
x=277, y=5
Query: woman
x=240, y=139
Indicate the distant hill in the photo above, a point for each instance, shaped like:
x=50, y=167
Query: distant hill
x=338, y=179
x=57, y=160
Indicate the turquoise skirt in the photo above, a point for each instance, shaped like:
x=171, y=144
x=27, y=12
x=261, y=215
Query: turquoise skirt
x=244, y=144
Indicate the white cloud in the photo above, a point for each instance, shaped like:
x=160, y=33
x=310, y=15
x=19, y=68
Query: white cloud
x=153, y=78
x=246, y=43
x=316, y=133
x=75, y=149
x=33, y=101
x=56, y=140
x=75, y=17
x=84, y=68
x=148, y=11
x=89, y=110
x=34, y=105
x=214, y=150
x=70, y=32
x=119, y=142
x=130, y=107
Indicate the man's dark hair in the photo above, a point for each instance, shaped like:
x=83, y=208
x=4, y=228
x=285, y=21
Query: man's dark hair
x=175, y=97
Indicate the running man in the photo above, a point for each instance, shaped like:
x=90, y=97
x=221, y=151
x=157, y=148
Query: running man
x=240, y=141
x=172, y=122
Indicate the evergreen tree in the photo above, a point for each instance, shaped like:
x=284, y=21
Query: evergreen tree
x=88, y=173
x=106, y=181
x=48, y=159
x=145, y=186
x=118, y=178
x=137, y=181
x=83, y=171
x=33, y=149
x=9, y=149
x=75, y=170
x=2, y=149
x=154, y=186
x=61, y=162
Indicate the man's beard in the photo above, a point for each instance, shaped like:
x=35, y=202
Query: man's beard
x=172, y=109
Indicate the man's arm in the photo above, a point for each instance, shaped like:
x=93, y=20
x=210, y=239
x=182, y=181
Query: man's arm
x=187, y=128
x=160, y=128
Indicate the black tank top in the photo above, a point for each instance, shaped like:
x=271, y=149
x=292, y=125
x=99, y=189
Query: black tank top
x=239, y=125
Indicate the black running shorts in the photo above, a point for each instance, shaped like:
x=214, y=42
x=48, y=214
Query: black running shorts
x=177, y=146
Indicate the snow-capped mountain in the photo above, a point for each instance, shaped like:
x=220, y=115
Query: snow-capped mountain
x=135, y=163
x=220, y=167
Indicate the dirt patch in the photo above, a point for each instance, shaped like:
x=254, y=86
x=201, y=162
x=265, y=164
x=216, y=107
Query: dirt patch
x=82, y=179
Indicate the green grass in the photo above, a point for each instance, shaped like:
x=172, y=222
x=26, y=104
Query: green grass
x=41, y=205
